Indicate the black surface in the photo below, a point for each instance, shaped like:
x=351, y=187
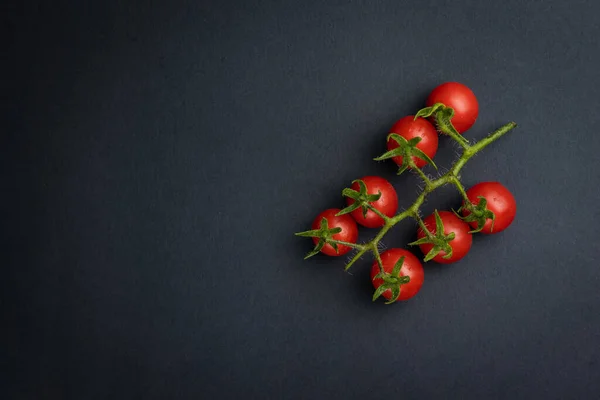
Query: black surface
x=158, y=156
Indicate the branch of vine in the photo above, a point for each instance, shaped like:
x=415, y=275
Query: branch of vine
x=469, y=150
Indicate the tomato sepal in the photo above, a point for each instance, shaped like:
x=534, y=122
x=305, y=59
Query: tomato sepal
x=325, y=235
x=392, y=281
x=362, y=198
x=439, y=240
x=442, y=115
x=429, y=111
x=479, y=213
x=406, y=149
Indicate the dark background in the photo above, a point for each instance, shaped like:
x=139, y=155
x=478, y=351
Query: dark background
x=157, y=157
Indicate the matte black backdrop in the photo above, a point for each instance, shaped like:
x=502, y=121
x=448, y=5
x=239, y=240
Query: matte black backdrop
x=159, y=155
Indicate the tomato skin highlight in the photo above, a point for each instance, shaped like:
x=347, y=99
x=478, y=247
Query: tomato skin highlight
x=411, y=267
x=461, y=244
x=348, y=234
x=460, y=98
x=499, y=200
x=387, y=203
x=409, y=128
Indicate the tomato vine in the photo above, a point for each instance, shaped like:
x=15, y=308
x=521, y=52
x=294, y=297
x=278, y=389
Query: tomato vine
x=361, y=201
x=450, y=177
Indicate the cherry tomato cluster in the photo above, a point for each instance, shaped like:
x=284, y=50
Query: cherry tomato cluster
x=372, y=202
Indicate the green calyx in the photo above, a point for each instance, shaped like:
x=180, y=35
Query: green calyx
x=434, y=109
x=443, y=116
x=392, y=281
x=362, y=199
x=406, y=149
x=439, y=240
x=325, y=236
x=477, y=213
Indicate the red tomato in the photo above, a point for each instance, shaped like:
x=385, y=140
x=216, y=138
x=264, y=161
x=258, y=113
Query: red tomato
x=411, y=267
x=500, y=201
x=387, y=203
x=410, y=128
x=461, y=244
x=349, y=231
x=461, y=99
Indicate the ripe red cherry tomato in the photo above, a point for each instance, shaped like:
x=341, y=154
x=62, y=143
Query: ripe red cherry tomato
x=499, y=200
x=348, y=234
x=411, y=267
x=461, y=244
x=410, y=128
x=387, y=203
x=461, y=99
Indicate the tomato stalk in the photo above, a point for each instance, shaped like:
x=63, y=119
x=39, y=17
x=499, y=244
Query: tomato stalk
x=378, y=258
x=379, y=213
x=419, y=220
x=341, y=242
x=450, y=177
x=443, y=116
x=443, y=123
x=480, y=145
x=460, y=188
x=419, y=172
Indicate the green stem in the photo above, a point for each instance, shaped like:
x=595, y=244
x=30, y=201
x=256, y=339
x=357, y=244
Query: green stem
x=482, y=144
x=357, y=256
x=378, y=258
x=430, y=185
x=376, y=211
x=401, y=216
x=419, y=172
x=353, y=245
x=419, y=220
x=449, y=130
x=460, y=188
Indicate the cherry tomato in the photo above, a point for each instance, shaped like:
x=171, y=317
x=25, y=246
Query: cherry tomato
x=411, y=267
x=387, y=203
x=348, y=234
x=461, y=244
x=461, y=99
x=500, y=201
x=410, y=128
